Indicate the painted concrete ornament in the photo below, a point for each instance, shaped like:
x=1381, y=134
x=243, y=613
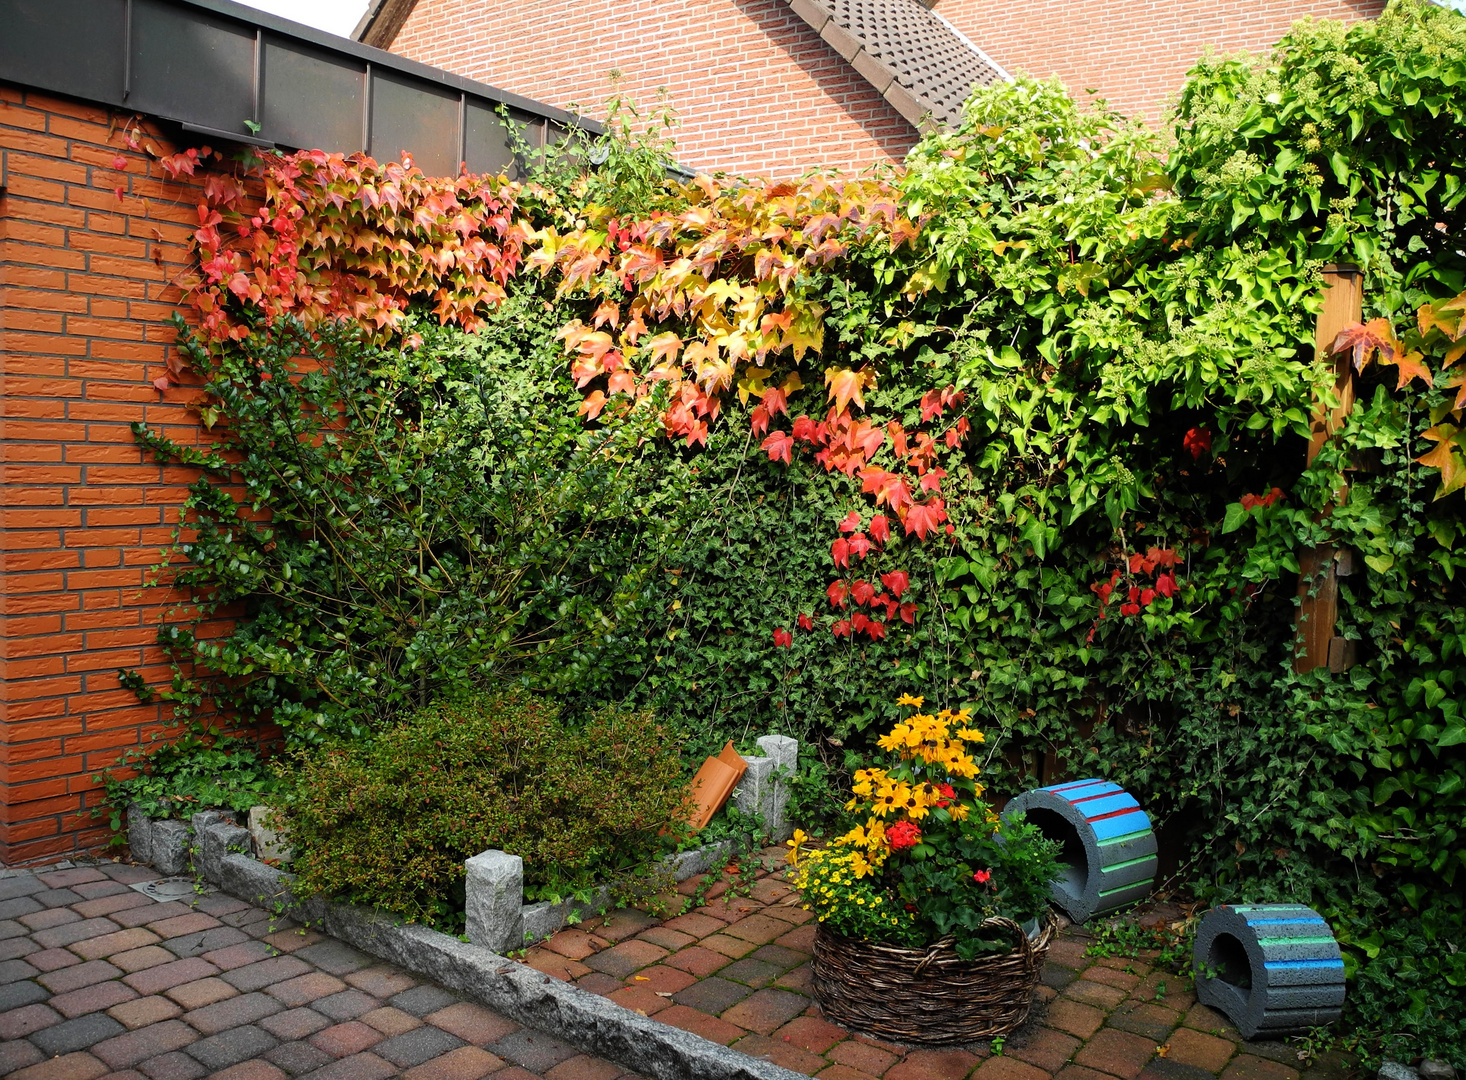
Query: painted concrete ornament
x=1272, y=969
x=1109, y=851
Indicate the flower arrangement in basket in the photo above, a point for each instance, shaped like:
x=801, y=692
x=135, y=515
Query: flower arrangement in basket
x=922, y=904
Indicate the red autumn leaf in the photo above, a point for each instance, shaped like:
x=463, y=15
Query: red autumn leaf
x=805, y=430
x=1166, y=585
x=897, y=581
x=876, y=629
x=806, y=622
x=779, y=446
x=851, y=523
x=862, y=591
x=837, y=592
x=1163, y=557
x=119, y=162
x=880, y=529
x=922, y=518
x=888, y=488
x=1137, y=562
x=1363, y=340
x=931, y=405
x=783, y=638
x=908, y=613
x=860, y=544
x=898, y=437
x=859, y=621
x=776, y=401
x=758, y=420
x=932, y=481
x=840, y=552
x=1196, y=442
x=841, y=628
x=1147, y=597
x=1129, y=609
x=891, y=606
x=161, y=383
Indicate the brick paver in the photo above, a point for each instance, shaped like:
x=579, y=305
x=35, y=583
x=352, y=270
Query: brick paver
x=99, y=980
x=738, y=970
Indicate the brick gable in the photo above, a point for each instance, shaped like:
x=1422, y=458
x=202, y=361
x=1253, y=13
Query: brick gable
x=756, y=89
x=1134, y=52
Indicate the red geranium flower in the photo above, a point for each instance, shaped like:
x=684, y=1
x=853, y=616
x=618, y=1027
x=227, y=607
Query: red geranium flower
x=982, y=877
x=903, y=835
x=947, y=794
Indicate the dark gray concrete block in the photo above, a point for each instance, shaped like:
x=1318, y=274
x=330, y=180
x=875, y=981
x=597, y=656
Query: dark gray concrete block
x=1271, y=969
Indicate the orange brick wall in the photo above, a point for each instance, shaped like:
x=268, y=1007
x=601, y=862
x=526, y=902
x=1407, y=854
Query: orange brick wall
x=756, y=89
x=85, y=294
x=1134, y=52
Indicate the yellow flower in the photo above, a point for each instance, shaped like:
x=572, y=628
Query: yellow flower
x=792, y=856
x=970, y=735
x=907, y=699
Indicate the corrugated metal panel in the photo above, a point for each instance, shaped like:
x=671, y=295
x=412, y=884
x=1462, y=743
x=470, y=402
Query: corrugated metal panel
x=224, y=70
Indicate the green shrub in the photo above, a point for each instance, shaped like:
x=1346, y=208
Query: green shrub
x=200, y=771
x=389, y=822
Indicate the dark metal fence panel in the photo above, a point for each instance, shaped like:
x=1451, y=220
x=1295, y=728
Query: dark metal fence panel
x=223, y=70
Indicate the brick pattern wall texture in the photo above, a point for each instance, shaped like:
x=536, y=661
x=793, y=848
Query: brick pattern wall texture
x=756, y=89
x=88, y=258
x=1135, y=53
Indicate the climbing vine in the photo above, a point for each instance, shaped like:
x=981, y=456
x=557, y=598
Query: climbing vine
x=1022, y=424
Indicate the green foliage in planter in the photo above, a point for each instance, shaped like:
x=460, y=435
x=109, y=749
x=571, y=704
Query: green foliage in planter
x=202, y=770
x=389, y=821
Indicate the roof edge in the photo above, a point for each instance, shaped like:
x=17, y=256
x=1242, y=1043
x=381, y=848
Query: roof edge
x=382, y=21
x=922, y=113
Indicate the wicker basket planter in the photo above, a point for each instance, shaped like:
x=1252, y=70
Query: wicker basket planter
x=928, y=995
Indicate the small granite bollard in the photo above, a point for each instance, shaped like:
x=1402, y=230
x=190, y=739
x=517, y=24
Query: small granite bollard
x=269, y=845
x=139, y=834
x=1109, y=851
x=764, y=789
x=169, y=847
x=494, y=890
x=215, y=835
x=1271, y=969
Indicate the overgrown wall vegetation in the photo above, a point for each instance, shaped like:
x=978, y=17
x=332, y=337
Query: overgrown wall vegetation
x=1021, y=428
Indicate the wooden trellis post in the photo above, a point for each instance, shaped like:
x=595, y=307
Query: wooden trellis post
x=1319, y=569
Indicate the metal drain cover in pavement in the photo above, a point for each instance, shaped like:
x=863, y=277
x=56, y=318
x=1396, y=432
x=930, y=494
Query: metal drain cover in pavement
x=174, y=888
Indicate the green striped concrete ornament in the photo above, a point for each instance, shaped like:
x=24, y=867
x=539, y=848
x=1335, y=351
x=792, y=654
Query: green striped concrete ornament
x=1272, y=969
x=1109, y=851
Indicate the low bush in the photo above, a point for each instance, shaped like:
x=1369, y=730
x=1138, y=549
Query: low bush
x=388, y=822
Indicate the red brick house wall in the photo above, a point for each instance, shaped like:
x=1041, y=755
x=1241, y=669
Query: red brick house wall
x=1133, y=52
x=86, y=291
x=757, y=91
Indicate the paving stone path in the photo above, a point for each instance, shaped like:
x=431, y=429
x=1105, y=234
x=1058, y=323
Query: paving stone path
x=100, y=980
x=737, y=970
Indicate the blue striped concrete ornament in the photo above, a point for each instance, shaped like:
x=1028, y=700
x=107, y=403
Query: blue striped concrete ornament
x=1271, y=969
x=1109, y=850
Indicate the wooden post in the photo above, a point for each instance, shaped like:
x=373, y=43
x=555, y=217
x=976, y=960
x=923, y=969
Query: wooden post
x=1318, y=571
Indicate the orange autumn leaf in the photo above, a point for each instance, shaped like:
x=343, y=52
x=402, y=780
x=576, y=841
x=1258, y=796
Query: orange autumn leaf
x=846, y=386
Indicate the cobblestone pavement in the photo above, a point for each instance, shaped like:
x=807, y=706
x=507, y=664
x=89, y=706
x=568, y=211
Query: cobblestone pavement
x=737, y=970
x=100, y=980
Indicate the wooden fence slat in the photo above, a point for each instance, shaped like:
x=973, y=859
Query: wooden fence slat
x=1318, y=578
